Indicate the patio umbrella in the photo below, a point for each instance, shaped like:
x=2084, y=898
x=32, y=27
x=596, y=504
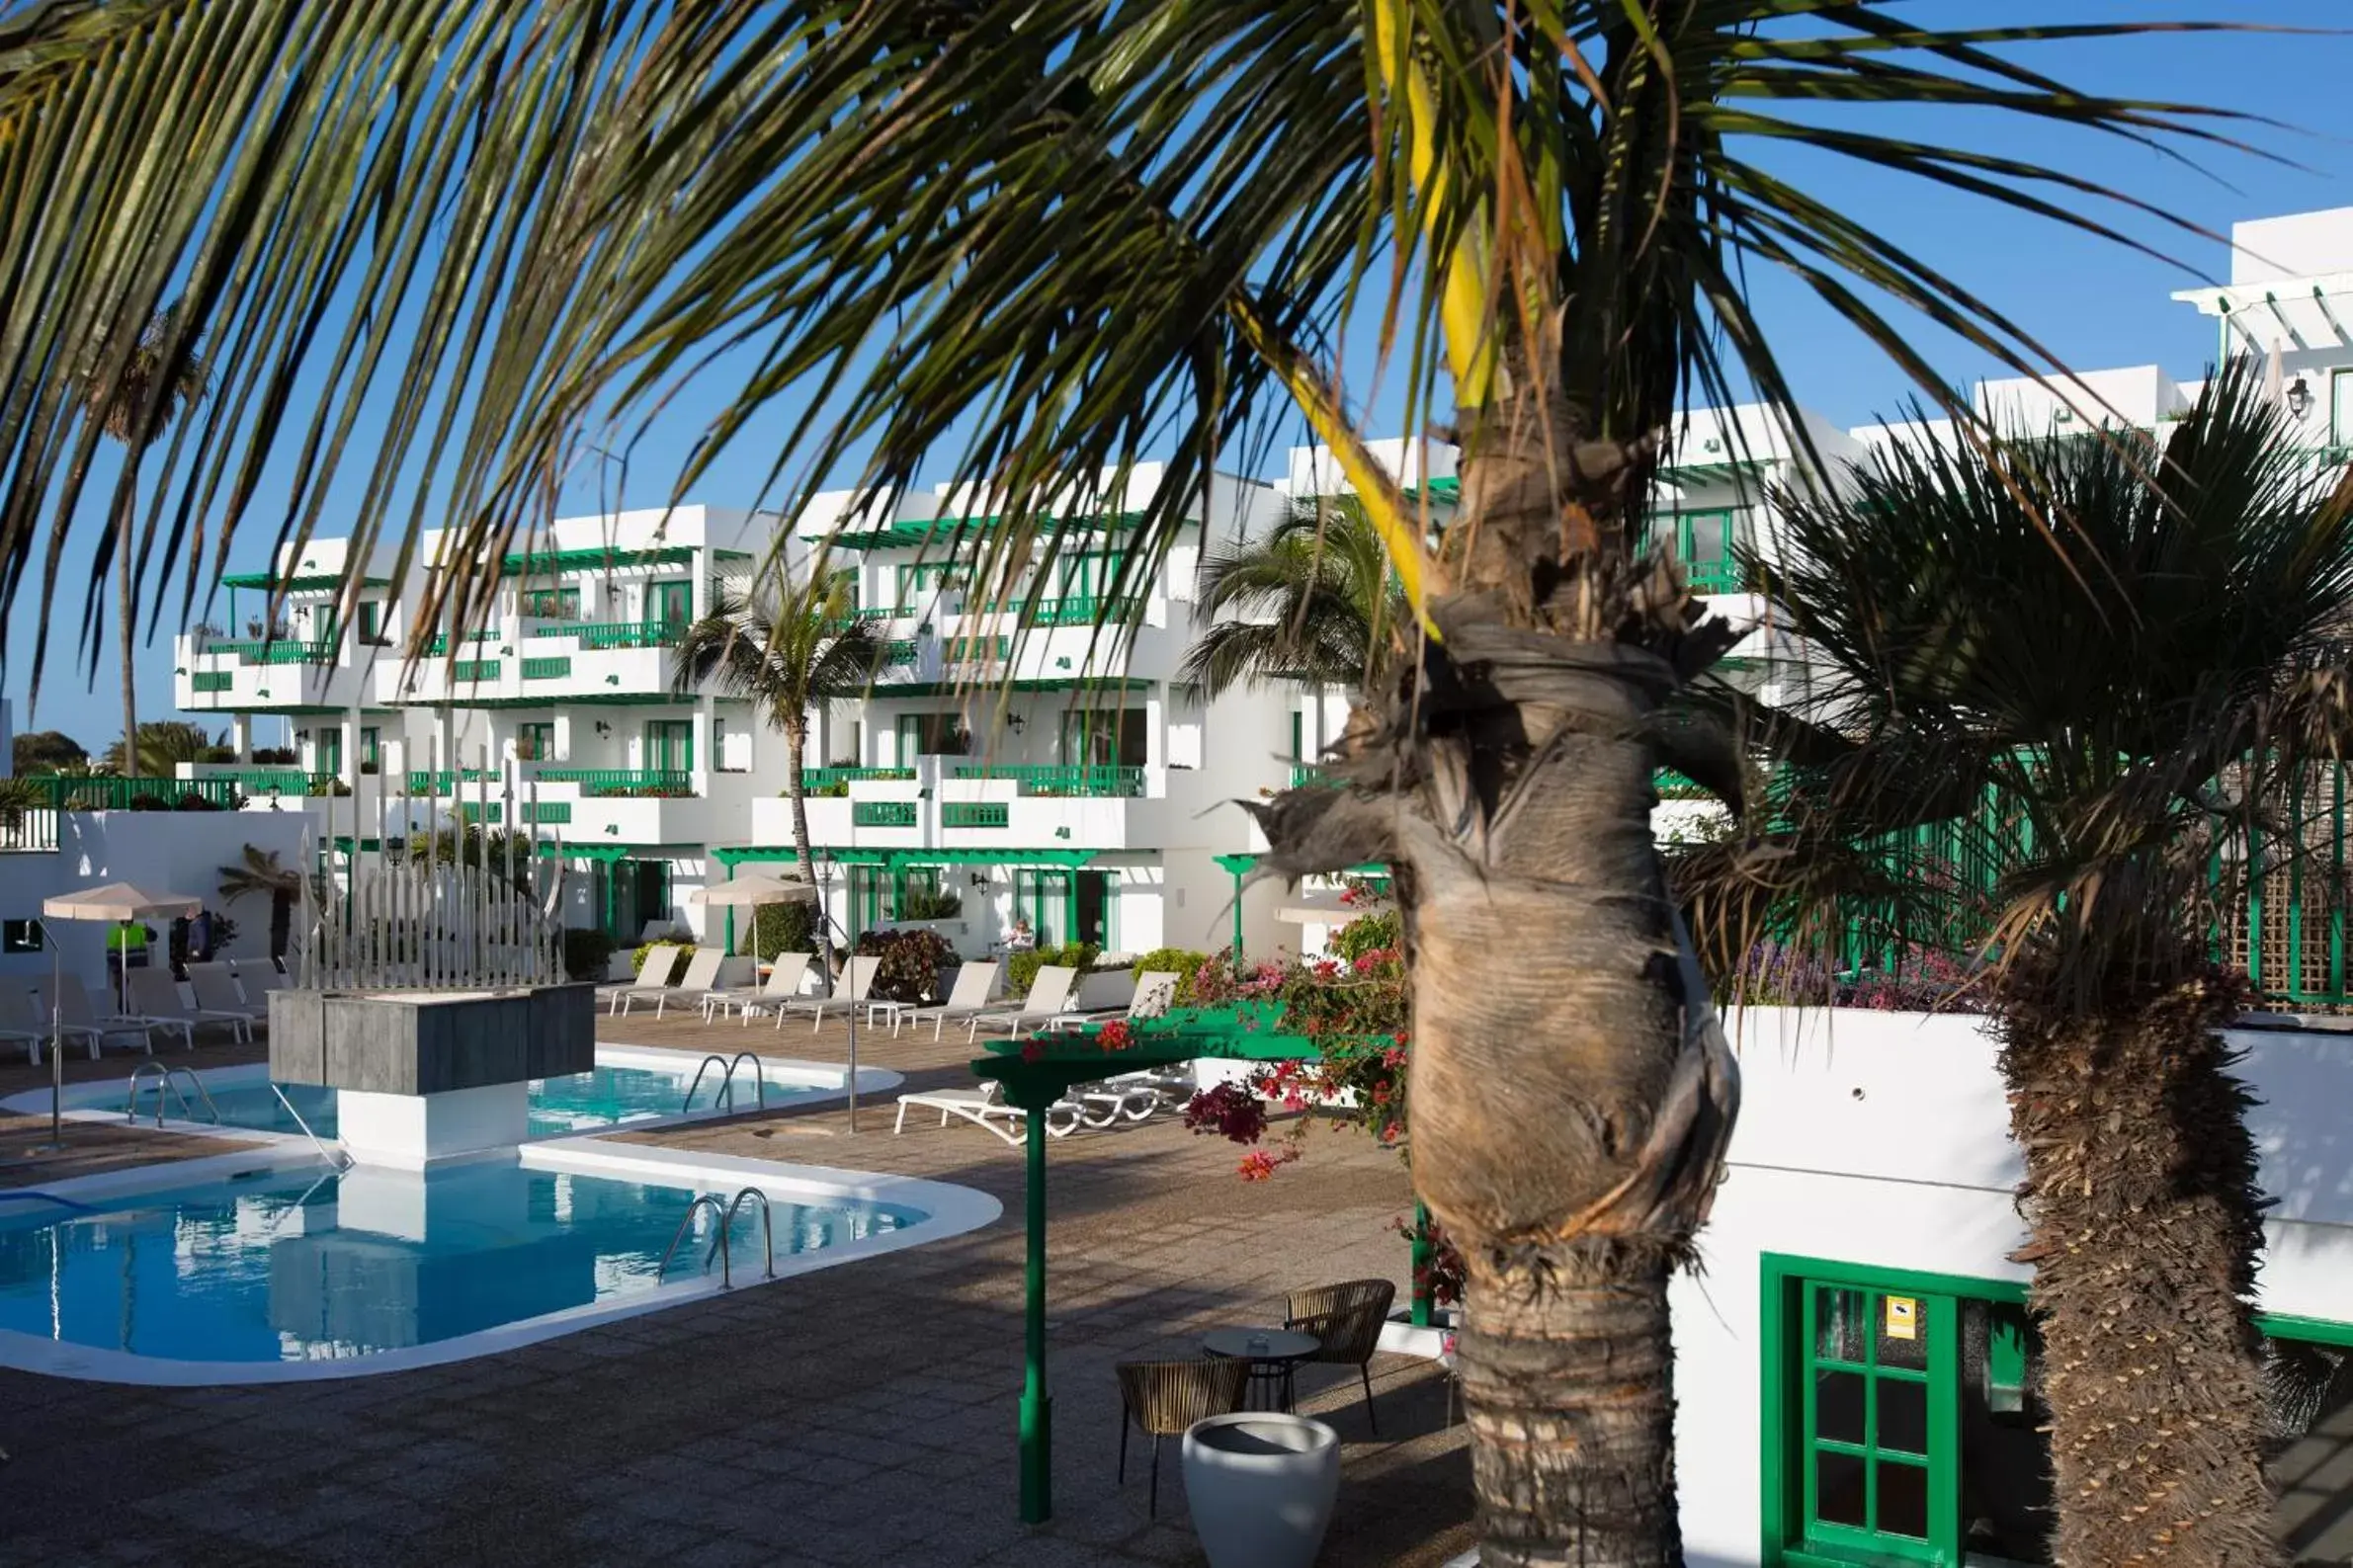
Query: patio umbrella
x=113, y=902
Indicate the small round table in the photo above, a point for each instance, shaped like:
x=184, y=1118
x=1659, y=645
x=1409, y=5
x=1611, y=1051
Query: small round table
x=1272, y=1360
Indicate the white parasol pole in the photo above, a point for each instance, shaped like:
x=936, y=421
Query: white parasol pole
x=56, y=1039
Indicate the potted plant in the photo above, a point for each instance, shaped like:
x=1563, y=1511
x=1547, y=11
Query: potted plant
x=1260, y=1485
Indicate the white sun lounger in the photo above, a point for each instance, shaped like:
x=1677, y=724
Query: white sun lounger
x=983, y=1109
x=693, y=986
x=784, y=980
x=654, y=973
x=1048, y=993
x=217, y=991
x=157, y=995
x=77, y=1017
x=1155, y=994
x=21, y=1023
x=966, y=1000
x=1132, y=1097
x=861, y=981
x=257, y=980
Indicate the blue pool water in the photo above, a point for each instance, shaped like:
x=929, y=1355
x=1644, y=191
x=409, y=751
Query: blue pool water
x=608, y=1097
x=289, y=1266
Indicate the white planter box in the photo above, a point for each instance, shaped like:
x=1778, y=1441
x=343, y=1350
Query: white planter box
x=1261, y=1486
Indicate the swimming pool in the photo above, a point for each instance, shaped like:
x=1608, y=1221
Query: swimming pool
x=631, y=1086
x=235, y=1269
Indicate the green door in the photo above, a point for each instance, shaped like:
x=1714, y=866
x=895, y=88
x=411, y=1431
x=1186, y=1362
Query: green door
x=370, y=749
x=669, y=605
x=670, y=745
x=330, y=749
x=1877, y=1451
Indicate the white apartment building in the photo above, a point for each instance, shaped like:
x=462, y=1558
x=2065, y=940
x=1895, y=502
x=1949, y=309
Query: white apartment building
x=1017, y=759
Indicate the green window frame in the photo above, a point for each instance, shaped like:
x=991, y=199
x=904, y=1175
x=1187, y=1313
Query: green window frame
x=371, y=621
x=534, y=741
x=669, y=745
x=1089, y=575
x=371, y=748
x=2340, y=410
x=330, y=749
x=915, y=577
x=551, y=603
x=669, y=603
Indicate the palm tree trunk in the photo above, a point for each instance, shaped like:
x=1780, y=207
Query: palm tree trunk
x=795, y=753
x=2141, y=1191
x=126, y=603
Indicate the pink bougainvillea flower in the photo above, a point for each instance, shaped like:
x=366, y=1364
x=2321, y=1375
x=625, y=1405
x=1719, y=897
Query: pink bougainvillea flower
x=1257, y=1166
x=1116, y=1037
x=1033, y=1052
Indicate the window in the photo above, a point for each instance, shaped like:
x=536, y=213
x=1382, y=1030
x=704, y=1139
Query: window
x=2340, y=408
x=916, y=581
x=1097, y=737
x=535, y=742
x=371, y=621
x=670, y=745
x=931, y=735
x=370, y=757
x=1908, y=1429
x=329, y=757
x=669, y=605
x=19, y=935
x=552, y=604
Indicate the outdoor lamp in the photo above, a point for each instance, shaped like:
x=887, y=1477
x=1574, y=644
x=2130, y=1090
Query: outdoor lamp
x=2300, y=398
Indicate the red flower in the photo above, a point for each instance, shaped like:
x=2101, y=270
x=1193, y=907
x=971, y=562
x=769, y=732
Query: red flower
x=1256, y=1166
x=1116, y=1037
x=1033, y=1052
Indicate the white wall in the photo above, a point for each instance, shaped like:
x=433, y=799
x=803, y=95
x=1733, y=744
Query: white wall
x=1881, y=1139
x=175, y=852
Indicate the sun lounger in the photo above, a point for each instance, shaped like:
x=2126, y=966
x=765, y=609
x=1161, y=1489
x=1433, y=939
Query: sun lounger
x=257, y=980
x=693, y=986
x=784, y=981
x=983, y=1109
x=76, y=1016
x=845, y=997
x=657, y=970
x=1131, y=1097
x=1155, y=993
x=217, y=992
x=1039, y=1009
x=155, y=996
x=21, y=1023
x=966, y=1001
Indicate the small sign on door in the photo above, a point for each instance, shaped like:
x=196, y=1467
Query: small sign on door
x=1902, y=1317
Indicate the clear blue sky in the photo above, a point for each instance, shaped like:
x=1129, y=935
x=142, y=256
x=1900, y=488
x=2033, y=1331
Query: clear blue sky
x=2094, y=305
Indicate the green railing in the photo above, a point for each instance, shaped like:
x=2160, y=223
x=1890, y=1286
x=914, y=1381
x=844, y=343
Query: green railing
x=882, y=813
x=1303, y=776
x=1082, y=611
x=285, y=781
x=975, y=649
x=442, y=781
x=213, y=680
x=474, y=670
x=77, y=792
x=879, y=612
x=897, y=651
x=285, y=650
x=975, y=814
x=668, y=783
x=439, y=643
x=594, y=635
x=813, y=780
x=469, y=812
x=546, y=669
x=1720, y=574
x=1672, y=786
x=548, y=811
x=1064, y=781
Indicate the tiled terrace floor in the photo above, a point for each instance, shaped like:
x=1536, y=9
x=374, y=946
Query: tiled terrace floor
x=857, y=1415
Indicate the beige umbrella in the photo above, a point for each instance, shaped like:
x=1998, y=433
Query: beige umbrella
x=748, y=892
x=113, y=902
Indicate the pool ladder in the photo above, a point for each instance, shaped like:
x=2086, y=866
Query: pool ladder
x=725, y=1214
x=168, y=1078
x=726, y=1080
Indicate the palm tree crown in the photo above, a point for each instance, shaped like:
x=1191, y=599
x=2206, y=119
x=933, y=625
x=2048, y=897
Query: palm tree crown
x=784, y=647
x=1313, y=600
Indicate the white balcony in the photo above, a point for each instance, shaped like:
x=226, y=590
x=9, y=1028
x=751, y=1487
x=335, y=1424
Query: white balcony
x=228, y=675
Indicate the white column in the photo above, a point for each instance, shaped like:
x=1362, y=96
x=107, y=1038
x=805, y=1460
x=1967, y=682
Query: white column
x=241, y=729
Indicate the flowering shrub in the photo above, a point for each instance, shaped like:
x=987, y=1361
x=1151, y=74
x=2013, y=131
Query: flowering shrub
x=1440, y=1274
x=911, y=963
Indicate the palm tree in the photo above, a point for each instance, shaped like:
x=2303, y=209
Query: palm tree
x=2091, y=734
x=161, y=375
x=785, y=647
x=260, y=873
x=1052, y=240
x=163, y=745
x=1313, y=600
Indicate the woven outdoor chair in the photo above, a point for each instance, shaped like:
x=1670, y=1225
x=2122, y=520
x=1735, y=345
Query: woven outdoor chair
x=1163, y=1398
x=1347, y=1318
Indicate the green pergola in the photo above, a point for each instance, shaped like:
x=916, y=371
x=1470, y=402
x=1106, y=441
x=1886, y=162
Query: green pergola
x=1038, y=1072
x=1239, y=866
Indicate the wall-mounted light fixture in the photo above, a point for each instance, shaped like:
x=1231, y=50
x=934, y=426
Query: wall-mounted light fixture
x=2300, y=398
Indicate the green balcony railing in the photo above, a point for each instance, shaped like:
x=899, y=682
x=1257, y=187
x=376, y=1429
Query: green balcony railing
x=555, y=813
x=442, y=781
x=1302, y=776
x=594, y=635
x=439, y=643
x=1063, y=780
x=882, y=813
x=285, y=650
x=975, y=814
x=80, y=792
x=546, y=669
x=261, y=780
x=1082, y=611
x=474, y=670
x=813, y=780
x=1672, y=786
x=608, y=782
x=212, y=680
x=1718, y=575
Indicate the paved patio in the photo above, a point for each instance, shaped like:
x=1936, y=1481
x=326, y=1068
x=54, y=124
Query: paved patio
x=857, y=1415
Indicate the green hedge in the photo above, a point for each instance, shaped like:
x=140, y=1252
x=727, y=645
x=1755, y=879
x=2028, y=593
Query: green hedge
x=1182, y=962
x=588, y=954
x=1021, y=970
x=637, y=958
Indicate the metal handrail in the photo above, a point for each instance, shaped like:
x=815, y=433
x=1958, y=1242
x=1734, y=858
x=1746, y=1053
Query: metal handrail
x=163, y=1081
x=335, y=1157
x=767, y=1228
x=204, y=1094
x=726, y=1277
x=759, y=1078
